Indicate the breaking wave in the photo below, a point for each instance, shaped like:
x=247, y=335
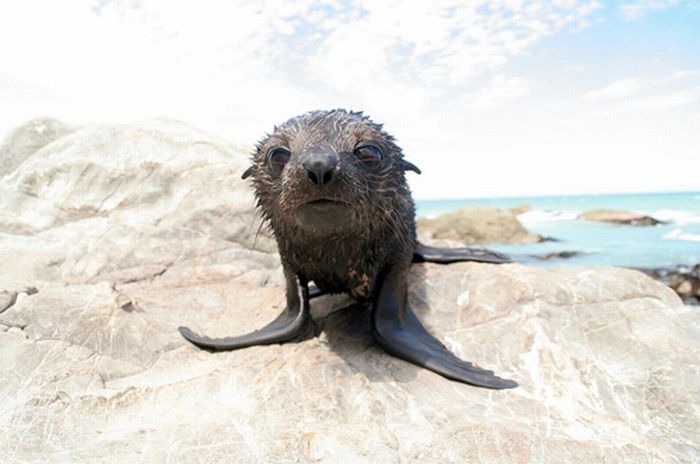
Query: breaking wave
x=536, y=216
x=679, y=217
x=678, y=234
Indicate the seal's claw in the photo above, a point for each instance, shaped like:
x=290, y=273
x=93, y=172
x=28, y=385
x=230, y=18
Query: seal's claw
x=424, y=253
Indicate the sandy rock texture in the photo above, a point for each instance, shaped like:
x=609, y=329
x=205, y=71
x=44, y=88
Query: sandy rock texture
x=479, y=224
x=130, y=231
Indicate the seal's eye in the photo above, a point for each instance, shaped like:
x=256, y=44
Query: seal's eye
x=368, y=154
x=276, y=159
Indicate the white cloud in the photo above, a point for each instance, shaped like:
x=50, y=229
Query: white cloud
x=238, y=67
x=435, y=73
x=635, y=10
x=685, y=73
x=499, y=90
x=615, y=90
x=680, y=88
x=665, y=101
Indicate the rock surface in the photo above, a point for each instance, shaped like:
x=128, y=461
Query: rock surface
x=478, y=224
x=106, y=199
x=619, y=217
x=27, y=139
x=134, y=230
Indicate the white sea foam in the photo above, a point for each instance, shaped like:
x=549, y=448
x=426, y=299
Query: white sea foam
x=678, y=234
x=536, y=216
x=679, y=217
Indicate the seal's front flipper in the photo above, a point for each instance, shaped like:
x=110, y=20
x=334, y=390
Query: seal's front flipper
x=290, y=324
x=399, y=331
x=424, y=253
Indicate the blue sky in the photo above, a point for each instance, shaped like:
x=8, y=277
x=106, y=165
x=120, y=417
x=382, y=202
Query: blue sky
x=492, y=98
x=655, y=45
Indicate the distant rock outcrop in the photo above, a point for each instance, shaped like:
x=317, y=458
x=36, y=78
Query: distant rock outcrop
x=112, y=236
x=620, y=217
x=479, y=224
x=520, y=209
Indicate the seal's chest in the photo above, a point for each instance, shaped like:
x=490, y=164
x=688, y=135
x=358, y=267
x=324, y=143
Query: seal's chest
x=335, y=268
x=357, y=283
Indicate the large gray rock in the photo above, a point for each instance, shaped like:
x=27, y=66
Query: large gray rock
x=93, y=369
x=103, y=199
x=607, y=362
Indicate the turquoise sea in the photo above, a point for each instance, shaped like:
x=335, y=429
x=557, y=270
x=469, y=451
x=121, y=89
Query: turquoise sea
x=675, y=243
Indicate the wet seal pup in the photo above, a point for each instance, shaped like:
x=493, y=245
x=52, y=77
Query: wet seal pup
x=332, y=186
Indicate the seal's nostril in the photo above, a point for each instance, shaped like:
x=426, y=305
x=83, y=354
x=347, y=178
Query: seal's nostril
x=327, y=177
x=313, y=177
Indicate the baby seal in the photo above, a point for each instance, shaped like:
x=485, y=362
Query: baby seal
x=332, y=186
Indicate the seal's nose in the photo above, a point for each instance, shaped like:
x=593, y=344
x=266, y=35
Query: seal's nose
x=320, y=166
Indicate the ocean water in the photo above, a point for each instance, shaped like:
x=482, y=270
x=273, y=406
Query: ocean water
x=675, y=243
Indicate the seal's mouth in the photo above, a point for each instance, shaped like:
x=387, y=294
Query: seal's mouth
x=323, y=203
x=325, y=215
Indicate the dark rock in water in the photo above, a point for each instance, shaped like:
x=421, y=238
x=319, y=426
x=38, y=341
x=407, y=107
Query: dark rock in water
x=641, y=221
x=620, y=218
x=683, y=279
x=557, y=254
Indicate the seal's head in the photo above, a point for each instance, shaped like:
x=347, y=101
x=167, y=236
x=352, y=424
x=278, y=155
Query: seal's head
x=328, y=172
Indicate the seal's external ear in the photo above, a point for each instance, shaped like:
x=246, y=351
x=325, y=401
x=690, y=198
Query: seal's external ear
x=247, y=172
x=408, y=166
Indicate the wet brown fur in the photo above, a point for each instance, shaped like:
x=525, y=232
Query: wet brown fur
x=382, y=237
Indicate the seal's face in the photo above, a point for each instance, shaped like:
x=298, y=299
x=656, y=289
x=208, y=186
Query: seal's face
x=327, y=172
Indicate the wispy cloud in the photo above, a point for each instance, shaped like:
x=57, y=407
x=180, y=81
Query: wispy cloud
x=685, y=73
x=447, y=77
x=499, y=90
x=217, y=61
x=681, y=88
x=635, y=10
x=666, y=101
x=619, y=89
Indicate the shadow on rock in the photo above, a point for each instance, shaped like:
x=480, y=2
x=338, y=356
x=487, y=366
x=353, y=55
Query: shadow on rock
x=348, y=332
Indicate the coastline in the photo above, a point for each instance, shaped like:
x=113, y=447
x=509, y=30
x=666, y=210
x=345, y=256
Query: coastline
x=674, y=243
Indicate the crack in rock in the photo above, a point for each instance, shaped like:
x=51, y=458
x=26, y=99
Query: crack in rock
x=8, y=298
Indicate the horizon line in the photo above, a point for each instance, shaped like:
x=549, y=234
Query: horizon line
x=504, y=197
